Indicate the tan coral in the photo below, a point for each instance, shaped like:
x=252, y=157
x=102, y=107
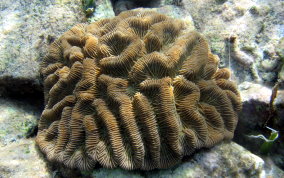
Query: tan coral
x=138, y=91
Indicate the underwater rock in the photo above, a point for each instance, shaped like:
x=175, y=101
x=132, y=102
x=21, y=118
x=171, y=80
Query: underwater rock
x=21, y=159
x=103, y=9
x=269, y=65
x=124, y=5
x=281, y=74
x=223, y=160
x=280, y=48
x=256, y=114
x=17, y=120
x=258, y=24
x=252, y=91
x=176, y=12
x=26, y=29
x=138, y=91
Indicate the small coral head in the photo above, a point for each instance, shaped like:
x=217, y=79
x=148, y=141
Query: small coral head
x=138, y=91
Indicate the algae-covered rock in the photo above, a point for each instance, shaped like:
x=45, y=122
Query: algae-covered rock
x=258, y=26
x=26, y=30
x=280, y=52
x=17, y=120
x=281, y=74
x=269, y=65
x=280, y=48
x=21, y=159
x=18, y=155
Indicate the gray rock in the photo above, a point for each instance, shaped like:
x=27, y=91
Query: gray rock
x=123, y=5
x=281, y=74
x=26, y=29
x=171, y=2
x=253, y=91
x=257, y=24
x=227, y=159
x=21, y=159
x=18, y=120
x=178, y=13
x=175, y=12
x=103, y=9
x=269, y=65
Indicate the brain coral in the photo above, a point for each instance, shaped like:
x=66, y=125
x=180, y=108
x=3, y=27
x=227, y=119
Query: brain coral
x=138, y=91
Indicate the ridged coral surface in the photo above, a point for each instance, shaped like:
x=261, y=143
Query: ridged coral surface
x=138, y=91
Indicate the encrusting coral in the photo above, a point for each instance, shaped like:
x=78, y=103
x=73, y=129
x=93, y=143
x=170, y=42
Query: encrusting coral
x=138, y=91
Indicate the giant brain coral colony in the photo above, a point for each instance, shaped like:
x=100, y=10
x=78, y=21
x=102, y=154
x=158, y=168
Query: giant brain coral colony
x=138, y=91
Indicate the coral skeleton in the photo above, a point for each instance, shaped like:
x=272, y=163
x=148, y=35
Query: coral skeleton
x=138, y=91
